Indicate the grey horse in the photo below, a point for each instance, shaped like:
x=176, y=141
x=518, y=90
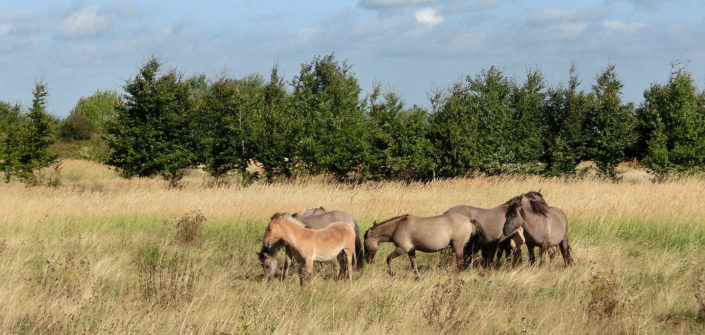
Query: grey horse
x=544, y=226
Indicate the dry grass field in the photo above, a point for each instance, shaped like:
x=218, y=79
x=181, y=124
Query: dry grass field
x=103, y=255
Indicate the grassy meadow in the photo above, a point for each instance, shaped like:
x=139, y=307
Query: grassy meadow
x=102, y=255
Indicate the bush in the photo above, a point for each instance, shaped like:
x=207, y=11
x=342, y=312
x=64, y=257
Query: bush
x=189, y=228
x=78, y=127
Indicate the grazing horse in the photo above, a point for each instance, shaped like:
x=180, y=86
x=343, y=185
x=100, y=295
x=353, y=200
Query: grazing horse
x=544, y=226
x=309, y=245
x=268, y=256
x=426, y=234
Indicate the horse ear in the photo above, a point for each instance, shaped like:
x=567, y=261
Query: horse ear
x=374, y=223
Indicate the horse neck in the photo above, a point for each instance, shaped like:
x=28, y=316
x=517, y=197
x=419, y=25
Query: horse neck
x=291, y=232
x=385, y=230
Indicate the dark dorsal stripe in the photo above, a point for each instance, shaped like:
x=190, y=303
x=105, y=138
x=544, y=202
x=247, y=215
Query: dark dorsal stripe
x=390, y=220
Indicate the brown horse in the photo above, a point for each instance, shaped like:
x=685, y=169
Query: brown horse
x=268, y=256
x=544, y=226
x=426, y=234
x=309, y=245
x=490, y=222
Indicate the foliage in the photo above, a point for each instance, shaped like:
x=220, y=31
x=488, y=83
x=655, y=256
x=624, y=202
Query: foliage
x=150, y=134
x=272, y=130
x=608, y=125
x=225, y=147
x=318, y=123
x=399, y=144
x=488, y=124
x=330, y=136
x=25, y=149
x=78, y=127
x=565, y=142
x=189, y=228
x=90, y=115
x=670, y=125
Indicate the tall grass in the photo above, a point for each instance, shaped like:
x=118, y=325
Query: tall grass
x=100, y=254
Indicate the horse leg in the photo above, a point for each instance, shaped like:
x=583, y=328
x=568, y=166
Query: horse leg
x=491, y=259
x=414, y=266
x=532, y=257
x=309, y=269
x=542, y=254
x=396, y=253
x=349, y=253
x=516, y=256
x=287, y=263
x=341, y=263
x=565, y=252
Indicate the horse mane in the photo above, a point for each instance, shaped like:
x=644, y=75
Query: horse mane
x=390, y=220
x=536, y=200
x=538, y=203
x=513, y=204
x=287, y=216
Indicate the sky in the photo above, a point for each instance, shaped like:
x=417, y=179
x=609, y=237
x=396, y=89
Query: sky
x=411, y=47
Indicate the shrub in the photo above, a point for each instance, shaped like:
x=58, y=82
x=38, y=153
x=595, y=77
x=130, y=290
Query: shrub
x=189, y=228
x=77, y=127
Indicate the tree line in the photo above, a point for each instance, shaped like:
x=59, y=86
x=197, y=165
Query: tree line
x=319, y=122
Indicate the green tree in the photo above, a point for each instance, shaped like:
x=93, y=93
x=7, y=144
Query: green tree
x=399, y=148
x=330, y=135
x=90, y=115
x=226, y=149
x=473, y=126
x=26, y=144
x=150, y=134
x=609, y=123
x=565, y=141
x=670, y=125
x=272, y=129
x=529, y=122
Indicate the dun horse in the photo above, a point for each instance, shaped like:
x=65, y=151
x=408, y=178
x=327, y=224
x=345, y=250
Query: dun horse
x=544, y=226
x=314, y=211
x=426, y=234
x=490, y=222
x=268, y=256
x=309, y=245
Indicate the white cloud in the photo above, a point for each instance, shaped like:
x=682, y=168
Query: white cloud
x=553, y=15
x=391, y=3
x=428, y=17
x=623, y=26
x=568, y=29
x=84, y=23
x=5, y=28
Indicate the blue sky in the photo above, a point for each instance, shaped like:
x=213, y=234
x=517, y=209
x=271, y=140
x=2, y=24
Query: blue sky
x=409, y=46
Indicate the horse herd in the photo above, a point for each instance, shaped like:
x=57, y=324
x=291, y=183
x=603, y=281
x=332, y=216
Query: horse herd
x=499, y=232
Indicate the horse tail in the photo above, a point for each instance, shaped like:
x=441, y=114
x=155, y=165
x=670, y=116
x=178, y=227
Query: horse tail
x=359, y=259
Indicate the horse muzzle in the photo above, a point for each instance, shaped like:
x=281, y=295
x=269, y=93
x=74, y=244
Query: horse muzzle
x=267, y=244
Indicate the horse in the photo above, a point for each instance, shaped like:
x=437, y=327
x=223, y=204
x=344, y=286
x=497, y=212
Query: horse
x=511, y=247
x=268, y=257
x=490, y=223
x=309, y=245
x=544, y=226
x=427, y=234
x=314, y=211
